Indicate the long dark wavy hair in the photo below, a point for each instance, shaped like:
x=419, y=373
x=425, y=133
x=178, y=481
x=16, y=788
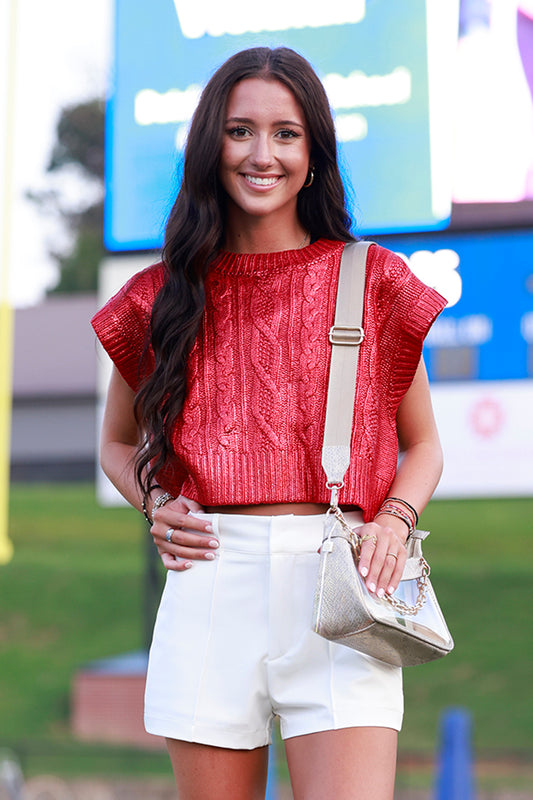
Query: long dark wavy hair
x=195, y=233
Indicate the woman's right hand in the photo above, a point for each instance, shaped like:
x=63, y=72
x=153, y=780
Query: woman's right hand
x=191, y=538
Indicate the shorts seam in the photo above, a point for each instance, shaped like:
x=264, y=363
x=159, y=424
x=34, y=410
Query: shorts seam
x=207, y=645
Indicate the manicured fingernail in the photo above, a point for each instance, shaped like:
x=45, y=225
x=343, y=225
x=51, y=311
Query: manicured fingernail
x=213, y=543
x=188, y=565
x=364, y=572
x=209, y=528
x=210, y=556
x=372, y=587
x=390, y=590
x=381, y=592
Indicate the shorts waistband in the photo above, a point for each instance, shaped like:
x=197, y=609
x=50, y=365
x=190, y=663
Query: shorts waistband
x=284, y=533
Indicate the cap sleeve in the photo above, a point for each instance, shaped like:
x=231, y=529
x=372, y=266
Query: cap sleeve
x=122, y=325
x=407, y=309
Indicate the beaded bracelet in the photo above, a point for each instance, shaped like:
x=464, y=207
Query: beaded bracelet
x=147, y=517
x=401, y=510
x=145, y=512
x=407, y=505
x=394, y=511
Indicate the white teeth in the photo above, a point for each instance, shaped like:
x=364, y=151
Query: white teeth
x=261, y=181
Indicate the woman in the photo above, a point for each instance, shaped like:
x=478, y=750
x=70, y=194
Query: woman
x=213, y=427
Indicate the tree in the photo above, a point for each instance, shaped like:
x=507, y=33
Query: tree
x=78, y=156
x=80, y=139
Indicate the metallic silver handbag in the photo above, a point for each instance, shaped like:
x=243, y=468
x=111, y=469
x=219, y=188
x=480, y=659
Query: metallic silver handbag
x=405, y=628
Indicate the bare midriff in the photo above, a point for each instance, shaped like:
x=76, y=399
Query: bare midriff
x=275, y=509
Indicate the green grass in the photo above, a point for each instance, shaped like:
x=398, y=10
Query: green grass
x=70, y=594
x=74, y=593
x=482, y=572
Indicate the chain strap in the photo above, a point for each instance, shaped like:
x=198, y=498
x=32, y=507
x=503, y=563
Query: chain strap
x=421, y=583
x=355, y=539
x=399, y=605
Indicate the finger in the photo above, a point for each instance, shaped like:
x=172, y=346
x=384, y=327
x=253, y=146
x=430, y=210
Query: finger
x=384, y=580
x=184, y=545
x=185, y=539
x=378, y=565
x=395, y=578
x=394, y=556
x=171, y=516
x=368, y=547
x=190, y=554
x=192, y=505
x=176, y=565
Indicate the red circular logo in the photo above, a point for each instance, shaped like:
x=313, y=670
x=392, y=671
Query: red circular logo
x=487, y=417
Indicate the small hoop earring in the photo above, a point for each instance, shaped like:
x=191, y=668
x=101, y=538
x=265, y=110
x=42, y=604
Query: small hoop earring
x=310, y=178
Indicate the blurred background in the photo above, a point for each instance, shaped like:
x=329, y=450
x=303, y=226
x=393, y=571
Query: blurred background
x=434, y=115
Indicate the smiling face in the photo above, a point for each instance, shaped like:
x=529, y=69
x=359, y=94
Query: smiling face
x=265, y=152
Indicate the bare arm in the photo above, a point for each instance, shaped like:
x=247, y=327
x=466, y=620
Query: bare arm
x=120, y=435
x=119, y=439
x=421, y=463
x=416, y=479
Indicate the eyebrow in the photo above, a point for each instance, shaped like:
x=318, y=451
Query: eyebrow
x=249, y=121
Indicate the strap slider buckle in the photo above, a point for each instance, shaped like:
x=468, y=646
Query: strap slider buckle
x=346, y=335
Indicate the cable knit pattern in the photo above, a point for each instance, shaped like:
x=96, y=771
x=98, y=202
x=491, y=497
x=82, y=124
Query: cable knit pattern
x=252, y=424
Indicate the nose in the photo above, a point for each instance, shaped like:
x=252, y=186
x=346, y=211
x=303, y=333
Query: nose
x=261, y=155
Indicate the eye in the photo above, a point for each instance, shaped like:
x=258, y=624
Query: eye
x=287, y=133
x=238, y=132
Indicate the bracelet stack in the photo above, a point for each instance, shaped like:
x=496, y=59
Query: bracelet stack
x=397, y=507
x=159, y=501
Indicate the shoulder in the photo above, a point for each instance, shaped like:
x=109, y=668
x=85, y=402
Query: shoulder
x=135, y=297
x=143, y=287
x=387, y=267
x=122, y=324
x=380, y=262
x=391, y=276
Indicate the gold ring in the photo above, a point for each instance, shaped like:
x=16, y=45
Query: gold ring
x=370, y=538
x=393, y=555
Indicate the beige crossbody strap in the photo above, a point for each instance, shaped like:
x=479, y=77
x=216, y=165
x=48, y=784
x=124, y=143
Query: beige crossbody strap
x=345, y=336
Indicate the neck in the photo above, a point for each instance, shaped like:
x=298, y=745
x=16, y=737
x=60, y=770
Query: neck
x=259, y=235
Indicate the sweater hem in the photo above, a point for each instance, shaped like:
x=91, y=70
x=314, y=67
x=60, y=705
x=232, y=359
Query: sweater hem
x=235, y=479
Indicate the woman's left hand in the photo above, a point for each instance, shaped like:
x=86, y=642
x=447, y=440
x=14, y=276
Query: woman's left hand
x=383, y=557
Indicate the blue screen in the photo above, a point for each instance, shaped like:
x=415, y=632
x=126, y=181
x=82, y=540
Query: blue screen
x=486, y=332
x=371, y=54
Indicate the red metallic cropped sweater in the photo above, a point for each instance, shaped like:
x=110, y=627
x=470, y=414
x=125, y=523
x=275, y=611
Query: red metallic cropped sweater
x=252, y=424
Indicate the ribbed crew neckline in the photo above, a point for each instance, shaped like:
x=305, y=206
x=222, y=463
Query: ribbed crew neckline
x=256, y=263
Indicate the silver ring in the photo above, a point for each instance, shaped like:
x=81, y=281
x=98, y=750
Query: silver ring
x=168, y=535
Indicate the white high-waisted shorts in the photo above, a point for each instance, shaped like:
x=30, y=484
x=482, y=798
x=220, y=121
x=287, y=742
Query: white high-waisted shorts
x=233, y=645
